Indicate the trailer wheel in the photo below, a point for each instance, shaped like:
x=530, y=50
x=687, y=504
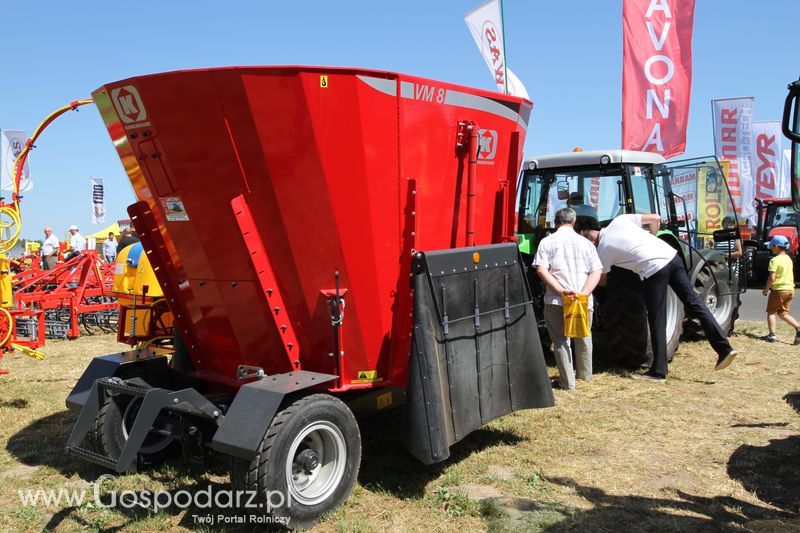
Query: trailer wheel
x=310, y=457
x=115, y=419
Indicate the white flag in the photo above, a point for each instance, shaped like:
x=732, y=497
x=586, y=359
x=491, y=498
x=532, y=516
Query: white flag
x=785, y=189
x=11, y=144
x=733, y=142
x=486, y=26
x=98, y=204
x=767, y=157
x=515, y=86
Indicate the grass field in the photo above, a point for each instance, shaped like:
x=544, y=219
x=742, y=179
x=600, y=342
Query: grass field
x=706, y=451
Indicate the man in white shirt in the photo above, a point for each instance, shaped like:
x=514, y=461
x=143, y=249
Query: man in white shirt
x=50, y=248
x=568, y=264
x=77, y=243
x=626, y=244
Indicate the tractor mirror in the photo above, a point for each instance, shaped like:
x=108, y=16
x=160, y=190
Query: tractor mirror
x=681, y=223
x=724, y=235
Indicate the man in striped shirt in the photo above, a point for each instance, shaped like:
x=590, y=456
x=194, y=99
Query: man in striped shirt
x=567, y=266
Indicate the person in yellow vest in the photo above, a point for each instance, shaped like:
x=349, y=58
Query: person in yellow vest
x=780, y=288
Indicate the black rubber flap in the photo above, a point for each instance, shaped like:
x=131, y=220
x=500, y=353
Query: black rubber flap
x=476, y=353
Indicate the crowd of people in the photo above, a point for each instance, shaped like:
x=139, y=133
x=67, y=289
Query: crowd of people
x=77, y=243
x=578, y=257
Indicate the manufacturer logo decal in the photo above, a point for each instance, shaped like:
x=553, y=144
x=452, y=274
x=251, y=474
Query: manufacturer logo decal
x=129, y=104
x=487, y=146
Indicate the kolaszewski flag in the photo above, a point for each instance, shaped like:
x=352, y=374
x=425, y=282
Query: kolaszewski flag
x=485, y=23
x=733, y=141
x=515, y=86
x=656, y=74
x=98, y=203
x=11, y=144
x=767, y=158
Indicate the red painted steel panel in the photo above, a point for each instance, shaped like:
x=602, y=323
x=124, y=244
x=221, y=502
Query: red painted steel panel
x=352, y=175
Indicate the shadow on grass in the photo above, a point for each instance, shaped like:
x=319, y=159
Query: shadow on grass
x=42, y=443
x=17, y=403
x=793, y=399
x=387, y=466
x=639, y=513
x=770, y=472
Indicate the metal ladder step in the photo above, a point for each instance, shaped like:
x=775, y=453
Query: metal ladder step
x=117, y=385
x=93, y=457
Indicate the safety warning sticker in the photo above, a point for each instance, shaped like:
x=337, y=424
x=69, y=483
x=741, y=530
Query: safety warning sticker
x=173, y=209
x=367, y=376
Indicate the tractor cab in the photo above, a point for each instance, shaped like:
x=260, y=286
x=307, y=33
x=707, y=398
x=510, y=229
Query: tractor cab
x=698, y=216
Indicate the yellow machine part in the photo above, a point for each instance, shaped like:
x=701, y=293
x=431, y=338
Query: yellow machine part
x=32, y=247
x=130, y=281
x=6, y=294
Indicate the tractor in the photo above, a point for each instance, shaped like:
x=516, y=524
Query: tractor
x=776, y=216
x=692, y=198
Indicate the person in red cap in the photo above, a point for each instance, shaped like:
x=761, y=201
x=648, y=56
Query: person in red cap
x=780, y=288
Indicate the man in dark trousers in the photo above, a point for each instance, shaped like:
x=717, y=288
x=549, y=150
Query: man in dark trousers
x=626, y=244
x=126, y=240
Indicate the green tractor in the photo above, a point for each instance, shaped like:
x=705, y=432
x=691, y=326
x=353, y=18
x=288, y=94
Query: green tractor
x=693, y=200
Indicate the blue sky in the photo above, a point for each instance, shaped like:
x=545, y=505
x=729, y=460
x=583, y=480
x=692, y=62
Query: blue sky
x=568, y=53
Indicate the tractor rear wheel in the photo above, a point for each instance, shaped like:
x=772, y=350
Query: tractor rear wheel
x=307, y=463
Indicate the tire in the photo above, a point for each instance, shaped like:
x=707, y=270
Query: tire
x=317, y=429
x=620, y=335
x=675, y=317
x=110, y=431
x=725, y=308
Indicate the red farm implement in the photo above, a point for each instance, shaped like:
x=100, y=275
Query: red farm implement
x=75, y=293
x=329, y=242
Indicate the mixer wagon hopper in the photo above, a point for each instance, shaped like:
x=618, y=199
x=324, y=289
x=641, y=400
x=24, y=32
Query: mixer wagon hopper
x=331, y=243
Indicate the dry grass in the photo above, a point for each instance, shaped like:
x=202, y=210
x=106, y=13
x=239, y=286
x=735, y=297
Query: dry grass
x=705, y=451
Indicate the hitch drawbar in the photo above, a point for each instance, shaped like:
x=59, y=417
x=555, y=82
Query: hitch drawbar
x=154, y=399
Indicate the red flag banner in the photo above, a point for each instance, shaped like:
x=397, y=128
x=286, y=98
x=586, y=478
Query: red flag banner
x=656, y=74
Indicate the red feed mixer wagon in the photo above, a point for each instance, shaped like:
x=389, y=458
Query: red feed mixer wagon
x=330, y=241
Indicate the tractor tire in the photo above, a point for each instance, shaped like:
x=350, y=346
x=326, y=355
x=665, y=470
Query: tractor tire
x=675, y=317
x=620, y=335
x=110, y=431
x=725, y=308
x=310, y=456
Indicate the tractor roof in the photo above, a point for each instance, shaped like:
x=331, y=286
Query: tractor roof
x=592, y=158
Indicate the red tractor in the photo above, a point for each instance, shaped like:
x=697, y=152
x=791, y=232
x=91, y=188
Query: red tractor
x=776, y=216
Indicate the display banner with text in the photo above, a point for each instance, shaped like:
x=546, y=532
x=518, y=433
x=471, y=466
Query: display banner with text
x=656, y=74
x=733, y=142
x=11, y=144
x=767, y=152
x=98, y=201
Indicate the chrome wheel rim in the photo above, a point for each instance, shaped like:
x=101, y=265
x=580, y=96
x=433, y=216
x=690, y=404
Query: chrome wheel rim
x=315, y=463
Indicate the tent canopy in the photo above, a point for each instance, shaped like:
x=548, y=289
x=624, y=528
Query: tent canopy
x=103, y=233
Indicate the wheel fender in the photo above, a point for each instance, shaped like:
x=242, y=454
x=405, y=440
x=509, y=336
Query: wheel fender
x=143, y=363
x=253, y=408
x=676, y=243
